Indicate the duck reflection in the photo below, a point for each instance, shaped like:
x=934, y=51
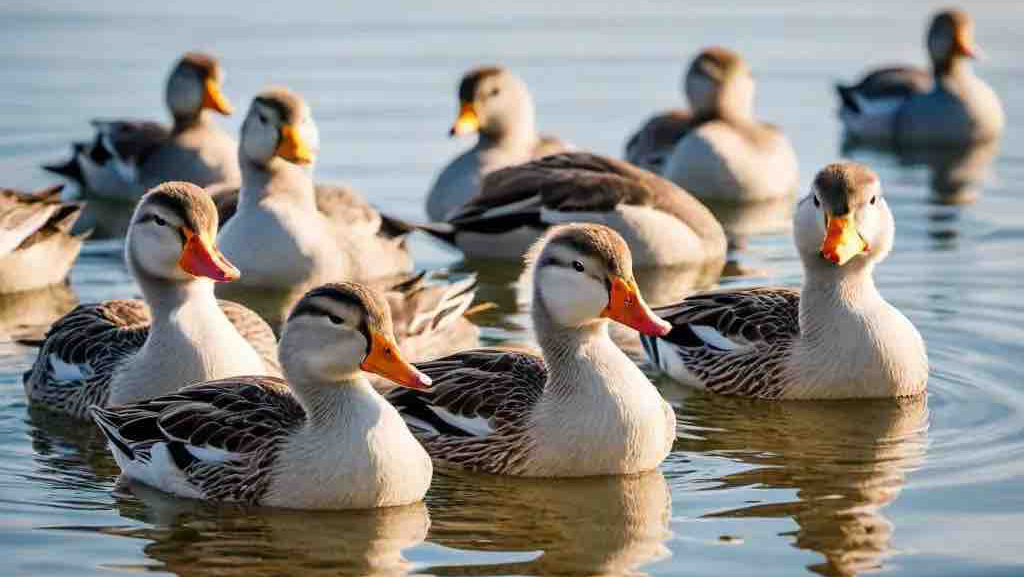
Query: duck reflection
x=592, y=526
x=27, y=315
x=70, y=454
x=956, y=175
x=846, y=460
x=198, y=538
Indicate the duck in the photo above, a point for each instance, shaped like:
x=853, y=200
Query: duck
x=663, y=224
x=834, y=338
x=722, y=153
x=300, y=247
x=125, y=350
x=495, y=103
x=129, y=157
x=579, y=408
x=948, y=106
x=37, y=228
x=320, y=438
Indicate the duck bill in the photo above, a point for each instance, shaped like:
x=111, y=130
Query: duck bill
x=292, y=147
x=842, y=240
x=202, y=258
x=625, y=305
x=964, y=44
x=385, y=360
x=466, y=122
x=214, y=99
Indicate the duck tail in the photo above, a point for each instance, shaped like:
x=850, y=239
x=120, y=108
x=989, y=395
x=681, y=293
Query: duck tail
x=70, y=169
x=846, y=95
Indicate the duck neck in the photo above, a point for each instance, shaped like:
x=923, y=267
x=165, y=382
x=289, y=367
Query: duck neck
x=185, y=122
x=519, y=135
x=277, y=178
x=329, y=404
x=170, y=300
x=953, y=66
x=831, y=292
x=570, y=352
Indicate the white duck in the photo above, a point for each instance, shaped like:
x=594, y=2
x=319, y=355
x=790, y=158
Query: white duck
x=946, y=107
x=837, y=338
x=323, y=439
x=582, y=408
x=126, y=350
x=278, y=238
x=496, y=104
x=128, y=157
x=723, y=152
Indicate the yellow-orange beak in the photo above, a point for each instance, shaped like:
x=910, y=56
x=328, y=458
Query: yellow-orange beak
x=293, y=147
x=214, y=99
x=467, y=121
x=842, y=240
x=625, y=305
x=385, y=360
x=202, y=258
x=963, y=43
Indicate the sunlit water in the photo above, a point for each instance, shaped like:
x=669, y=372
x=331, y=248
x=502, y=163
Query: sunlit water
x=933, y=487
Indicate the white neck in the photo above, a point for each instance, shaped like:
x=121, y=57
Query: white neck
x=278, y=179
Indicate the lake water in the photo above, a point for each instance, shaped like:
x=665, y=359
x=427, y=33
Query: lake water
x=933, y=487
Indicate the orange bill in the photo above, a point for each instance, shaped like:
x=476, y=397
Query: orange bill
x=385, y=360
x=214, y=99
x=202, y=258
x=964, y=42
x=842, y=240
x=292, y=147
x=467, y=121
x=625, y=305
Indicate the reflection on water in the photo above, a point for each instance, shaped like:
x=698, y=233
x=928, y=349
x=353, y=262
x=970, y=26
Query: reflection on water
x=846, y=461
x=27, y=315
x=195, y=538
x=956, y=175
x=592, y=526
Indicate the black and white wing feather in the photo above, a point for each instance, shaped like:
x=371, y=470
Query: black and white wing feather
x=220, y=438
x=729, y=342
x=81, y=352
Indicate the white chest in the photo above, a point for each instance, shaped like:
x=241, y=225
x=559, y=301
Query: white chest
x=367, y=458
x=614, y=422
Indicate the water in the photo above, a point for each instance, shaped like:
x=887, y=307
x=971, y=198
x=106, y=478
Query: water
x=933, y=487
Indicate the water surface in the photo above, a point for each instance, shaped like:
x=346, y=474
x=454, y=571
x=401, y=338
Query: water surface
x=929, y=487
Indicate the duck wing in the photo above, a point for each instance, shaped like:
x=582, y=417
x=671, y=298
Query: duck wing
x=730, y=342
x=82, y=350
x=474, y=393
x=221, y=437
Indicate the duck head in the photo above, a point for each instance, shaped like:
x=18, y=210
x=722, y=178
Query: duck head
x=195, y=86
x=279, y=125
x=845, y=221
x=172, y=236
x=583, y=273
x=494, y=102
x=339, y=329
x=719, y=84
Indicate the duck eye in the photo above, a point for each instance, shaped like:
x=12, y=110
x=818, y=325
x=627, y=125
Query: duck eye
x=335, y=319
x=873, y=199
x=494, y=92
x=159, y=221
x=817, y=203
x=263, y=119
x=577, y=265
